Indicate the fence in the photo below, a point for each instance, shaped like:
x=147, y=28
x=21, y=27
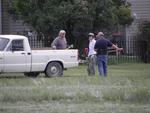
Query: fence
x=35, y=42
x=134, y=51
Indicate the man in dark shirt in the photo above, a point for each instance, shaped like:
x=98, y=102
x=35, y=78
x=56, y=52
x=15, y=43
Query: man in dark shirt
x=101, y=48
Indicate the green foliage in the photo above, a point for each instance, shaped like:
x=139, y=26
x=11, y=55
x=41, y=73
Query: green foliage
x=119, y=2
x=124, y=15
x=77, y=17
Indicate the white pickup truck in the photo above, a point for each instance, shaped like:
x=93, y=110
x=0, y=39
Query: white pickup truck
x=17, y=56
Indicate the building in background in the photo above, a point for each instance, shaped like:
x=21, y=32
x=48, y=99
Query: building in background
x=9, y=25
x=0, y=17
x=141, y=12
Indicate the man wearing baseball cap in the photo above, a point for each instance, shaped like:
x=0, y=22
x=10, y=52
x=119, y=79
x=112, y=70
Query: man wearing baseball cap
x=91, y=54
x=101, y=46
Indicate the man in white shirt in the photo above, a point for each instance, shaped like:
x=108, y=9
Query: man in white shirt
x=91, y=55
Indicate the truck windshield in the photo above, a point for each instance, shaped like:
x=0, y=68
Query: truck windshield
x=3, y=43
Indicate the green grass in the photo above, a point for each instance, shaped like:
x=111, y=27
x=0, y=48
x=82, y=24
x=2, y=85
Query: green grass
x=125, y=90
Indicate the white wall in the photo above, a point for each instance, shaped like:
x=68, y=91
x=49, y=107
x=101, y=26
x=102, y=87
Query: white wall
x=141, y=8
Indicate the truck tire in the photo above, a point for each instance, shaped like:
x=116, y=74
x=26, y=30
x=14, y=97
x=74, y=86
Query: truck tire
x=54, y=69
x=31, y=74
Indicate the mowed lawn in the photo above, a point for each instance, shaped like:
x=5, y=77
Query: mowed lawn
x=125, y=90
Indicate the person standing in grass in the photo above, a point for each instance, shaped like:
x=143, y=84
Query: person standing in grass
x=91, y=59
x=100, y=47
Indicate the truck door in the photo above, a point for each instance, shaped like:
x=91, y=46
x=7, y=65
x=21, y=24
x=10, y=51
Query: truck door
x=16, y=59
x=3, y=44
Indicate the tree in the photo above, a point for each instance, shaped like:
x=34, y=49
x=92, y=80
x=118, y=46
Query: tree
x=77, y=17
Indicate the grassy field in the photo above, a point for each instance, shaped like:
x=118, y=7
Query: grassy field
x=125, y=90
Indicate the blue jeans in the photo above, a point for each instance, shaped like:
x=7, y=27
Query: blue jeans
x=102, y=64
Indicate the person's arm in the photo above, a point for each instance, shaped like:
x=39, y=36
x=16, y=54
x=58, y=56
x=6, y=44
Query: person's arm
x=117, y=48
x=95, y=47
x=54, y=43
x=110, y=44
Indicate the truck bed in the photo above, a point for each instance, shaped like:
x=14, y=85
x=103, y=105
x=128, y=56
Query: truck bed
x=43, y=48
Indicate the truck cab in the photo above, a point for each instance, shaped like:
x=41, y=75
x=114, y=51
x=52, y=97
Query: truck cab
x=17, y=56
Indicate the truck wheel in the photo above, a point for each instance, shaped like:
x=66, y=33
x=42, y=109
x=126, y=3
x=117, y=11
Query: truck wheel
x=31, y=74
x=54, y=69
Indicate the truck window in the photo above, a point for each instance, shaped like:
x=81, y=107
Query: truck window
x=3, y=43
x=16, y=45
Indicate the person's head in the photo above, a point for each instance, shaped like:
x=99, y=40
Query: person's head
x=62, y=33
x=91, y=36
x=100, y=35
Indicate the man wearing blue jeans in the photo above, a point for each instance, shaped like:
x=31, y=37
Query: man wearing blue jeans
x=100, y=47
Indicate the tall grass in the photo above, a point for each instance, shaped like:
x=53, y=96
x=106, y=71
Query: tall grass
x=125, y=90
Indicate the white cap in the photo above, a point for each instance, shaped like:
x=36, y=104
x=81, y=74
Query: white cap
x=91, y=34
x=62, y=31
x=100, y=33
